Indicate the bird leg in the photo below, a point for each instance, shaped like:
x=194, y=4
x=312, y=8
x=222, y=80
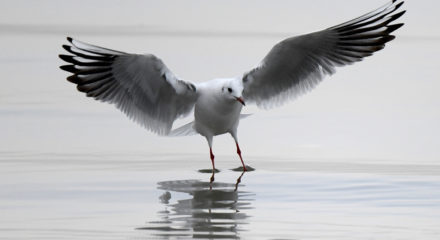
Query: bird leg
x=212, y=159
x=239, y=154
x=213, y=164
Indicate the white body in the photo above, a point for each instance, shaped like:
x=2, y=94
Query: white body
x=215, y=114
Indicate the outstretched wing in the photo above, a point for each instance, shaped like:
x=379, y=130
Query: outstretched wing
x=297, y=64
x=141, y=86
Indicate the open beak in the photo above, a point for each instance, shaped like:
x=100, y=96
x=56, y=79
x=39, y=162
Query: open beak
x=240, y=99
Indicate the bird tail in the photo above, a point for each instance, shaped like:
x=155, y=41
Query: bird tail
x=245, y=115
x=188, y=129
x=185, y=130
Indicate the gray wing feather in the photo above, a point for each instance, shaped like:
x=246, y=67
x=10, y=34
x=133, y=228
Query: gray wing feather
x=141, y=86
x=298, y=64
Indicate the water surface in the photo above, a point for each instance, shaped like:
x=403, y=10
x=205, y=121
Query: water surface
x=104, y=197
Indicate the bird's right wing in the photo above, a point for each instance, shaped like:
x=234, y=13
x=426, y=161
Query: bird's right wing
x=141, y=86
x=298, y=64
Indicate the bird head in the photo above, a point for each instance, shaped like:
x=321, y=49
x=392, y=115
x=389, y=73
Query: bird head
x=233, y=91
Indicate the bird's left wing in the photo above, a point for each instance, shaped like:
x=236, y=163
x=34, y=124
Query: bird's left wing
x=141, y=86
x=297, y=64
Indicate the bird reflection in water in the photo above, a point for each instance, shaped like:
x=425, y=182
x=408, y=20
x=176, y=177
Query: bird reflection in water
x=213, y=211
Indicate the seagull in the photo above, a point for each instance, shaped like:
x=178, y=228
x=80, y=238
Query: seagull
x=148, y=92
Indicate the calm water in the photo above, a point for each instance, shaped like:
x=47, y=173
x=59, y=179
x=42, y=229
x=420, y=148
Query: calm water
x=137, y=197
x=357, y=158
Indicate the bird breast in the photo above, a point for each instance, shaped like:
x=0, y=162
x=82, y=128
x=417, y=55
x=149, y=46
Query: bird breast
x=215, y=116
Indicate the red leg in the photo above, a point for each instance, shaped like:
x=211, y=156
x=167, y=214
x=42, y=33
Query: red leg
x=212, y=159
x=213, y=165
x=239, y=154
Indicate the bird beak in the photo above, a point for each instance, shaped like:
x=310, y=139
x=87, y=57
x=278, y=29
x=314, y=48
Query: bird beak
x=240, y=99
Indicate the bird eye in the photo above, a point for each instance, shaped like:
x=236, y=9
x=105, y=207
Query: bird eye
x=230, y=90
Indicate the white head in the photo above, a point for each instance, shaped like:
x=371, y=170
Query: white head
x=233, y=90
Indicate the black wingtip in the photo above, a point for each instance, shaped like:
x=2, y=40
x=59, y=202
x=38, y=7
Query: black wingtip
x=399, y=5
x=69, y=68
x=67, y=47
x=394, y=27
x=73, y=79
x=397, y=15
x=69, y=39
x=388, y=38
x=67, y=58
